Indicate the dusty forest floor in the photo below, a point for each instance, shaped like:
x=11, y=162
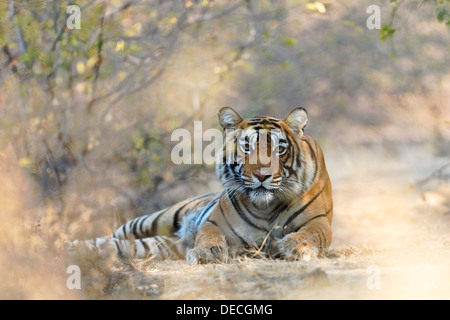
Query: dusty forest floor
x=391, y=241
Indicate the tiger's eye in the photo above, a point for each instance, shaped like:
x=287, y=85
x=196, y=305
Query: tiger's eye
x=282, y=150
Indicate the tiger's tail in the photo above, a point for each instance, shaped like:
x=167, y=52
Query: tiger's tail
x=157, y=247
x=150, y=236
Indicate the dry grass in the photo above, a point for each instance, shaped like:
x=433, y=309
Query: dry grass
x=74, y=170
x=382, y=219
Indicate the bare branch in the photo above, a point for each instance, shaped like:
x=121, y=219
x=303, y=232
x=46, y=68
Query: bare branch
x=217, y=15
x=11, y=61
x=126, y=5
x=17, y=30
x=99, y=61
x=439, y=174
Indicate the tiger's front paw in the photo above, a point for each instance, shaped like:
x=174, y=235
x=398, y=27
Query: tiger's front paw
x=292, y=248
x=207, y=254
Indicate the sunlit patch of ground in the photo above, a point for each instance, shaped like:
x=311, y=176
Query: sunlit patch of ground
x=391, y=241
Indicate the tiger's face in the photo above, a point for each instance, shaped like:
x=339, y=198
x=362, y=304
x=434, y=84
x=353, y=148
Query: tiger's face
x=261, y=158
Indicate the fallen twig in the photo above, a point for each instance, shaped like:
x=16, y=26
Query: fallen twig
x=439, y=174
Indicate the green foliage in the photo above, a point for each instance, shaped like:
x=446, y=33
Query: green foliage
x=387, y=32
x=443, y=15
x=288, y=42
x=112, y=91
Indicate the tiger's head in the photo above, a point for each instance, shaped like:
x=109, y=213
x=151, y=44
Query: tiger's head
x=261, y=157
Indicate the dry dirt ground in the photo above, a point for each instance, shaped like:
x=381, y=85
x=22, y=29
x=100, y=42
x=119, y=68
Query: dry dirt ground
x=391, y=241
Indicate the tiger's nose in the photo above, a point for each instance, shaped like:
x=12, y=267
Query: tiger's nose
x=261, y=176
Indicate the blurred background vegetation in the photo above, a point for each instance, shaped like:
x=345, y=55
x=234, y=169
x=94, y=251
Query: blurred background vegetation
x=87, y=114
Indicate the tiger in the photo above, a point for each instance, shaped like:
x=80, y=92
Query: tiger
x=282, y=211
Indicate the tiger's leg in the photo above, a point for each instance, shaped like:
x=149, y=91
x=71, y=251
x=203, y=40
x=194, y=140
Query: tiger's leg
x=210, y=245
x=311, y=241
x=157, y=247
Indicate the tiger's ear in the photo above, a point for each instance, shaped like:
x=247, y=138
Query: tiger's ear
x=297, y=120
x=228, y=118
